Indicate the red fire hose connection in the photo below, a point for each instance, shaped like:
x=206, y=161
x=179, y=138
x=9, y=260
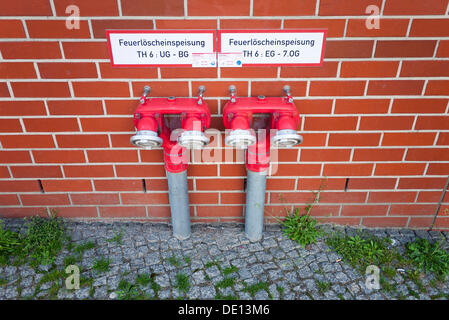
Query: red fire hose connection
x=176, y=124
x=275, y=120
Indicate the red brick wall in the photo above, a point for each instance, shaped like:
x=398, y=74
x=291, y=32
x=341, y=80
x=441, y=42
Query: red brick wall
x=375, y=115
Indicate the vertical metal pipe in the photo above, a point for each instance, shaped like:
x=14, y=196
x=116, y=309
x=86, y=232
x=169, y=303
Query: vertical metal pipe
x=179, y=204
x=255, y=201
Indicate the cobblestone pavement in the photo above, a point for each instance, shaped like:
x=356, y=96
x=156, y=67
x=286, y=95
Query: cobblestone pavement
x=216, y=262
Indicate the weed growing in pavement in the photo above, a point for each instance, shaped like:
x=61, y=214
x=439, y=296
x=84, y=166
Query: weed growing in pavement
x=182, y=282
x=101, y=264
x=254, y=288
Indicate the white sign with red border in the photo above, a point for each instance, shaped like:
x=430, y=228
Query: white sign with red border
x=303, y=47
x=150, y=48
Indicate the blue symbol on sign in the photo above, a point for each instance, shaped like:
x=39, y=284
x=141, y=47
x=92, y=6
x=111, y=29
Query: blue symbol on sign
x=239, y=62
x=213, y=63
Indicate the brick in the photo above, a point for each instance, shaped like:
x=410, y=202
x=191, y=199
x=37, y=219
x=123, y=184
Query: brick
x=202, y=170
x=26, y=8
x=159, y=211
x=442, y=222
x=233, y=198
x=429, y=196
x=107, y=124
x=249, y=72
x=151, y=156
x=204, y=198
x=36, y=171
x=323, y=211
x=58, y=156
x=11, y=29
x=23, y=212
x=118, y=185
x=120, y=140
x=44, y=199
x=280, y=184
x=30, y=50
x=336, y=88
x=122, y=211
x=82, y=141
x=388, y=28
x=354, y=139
x=99, y=27
x=67, y=70
x=437, y=88
x=425, y=69
x=162, y=184
x=250, y=24
x=412, y=209
x=17, y=70
x=420, y=222
x=369, y=69
x=313, y=139
x=174, y=73
x=27, y=141
x=399, y=169
x=362, y=106
x=421, y=183
x=66, y=185
x=408, y=138
x=335, y=27
x=342, y=197
x=219, y=184
x=404, y=48
x=351, y=169
x=395, y=87
x=162, y=24
x=391, y=197
x=144, y=198
x=415, y=7
x=327, y=70
x=109, y=72
x=4, y=91
x=325, y=155
x=56, y=29
x=40, y=89
x=10, y=125
x=101, y=89
x=340, y=220
x=222, y=211
x=218, y=8
x=51, y=125
x=443, y=49
x=168, y=88
x=314, y=106
x=19, y=186
x=348, y=49
x=159, y=8
x=75, y=107
x=378, y=154
x=429, y=28
x=76, y=212
x=9, y=200
x=312, y=184
x=419, y=105
x=371, y=183
x=277, y=8
x=4, y=172
x=427, y=154
x=291, y=197
x=88, y=171
x=85, y=50
x=236, y=170
x=112, y=155
x=443, y=139
x=364, y=210
x=88, y=8
x=386, y=123
x=385, y=222
x=330, y=123
x=432, y=123
x=346, y=7
x=290, y=170
x=140, y=170
x=438, y=169
x=94, y=198
x=15, y=157
x=273, y=88
x=22, y=108
x=125, y=107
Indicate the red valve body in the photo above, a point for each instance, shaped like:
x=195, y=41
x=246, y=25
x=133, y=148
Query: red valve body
x=239, y=115
x=150, y=116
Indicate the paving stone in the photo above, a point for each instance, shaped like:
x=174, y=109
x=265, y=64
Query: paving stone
x=207, y=292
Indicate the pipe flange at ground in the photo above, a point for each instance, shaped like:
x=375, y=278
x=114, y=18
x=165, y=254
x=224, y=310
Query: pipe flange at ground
x=193, y=139
x=286, y=138
x=240, y=139
x=146, y=139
